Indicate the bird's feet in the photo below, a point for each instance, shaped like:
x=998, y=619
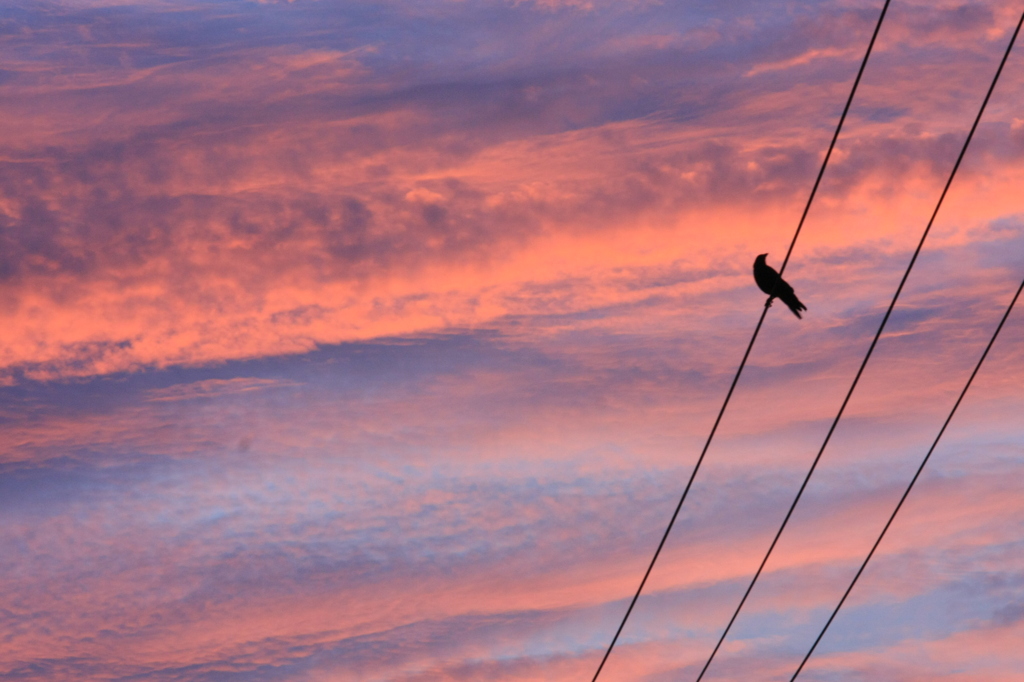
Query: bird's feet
x=768, y=303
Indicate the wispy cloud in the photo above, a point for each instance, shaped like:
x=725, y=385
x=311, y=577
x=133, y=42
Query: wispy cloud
x=213, y=388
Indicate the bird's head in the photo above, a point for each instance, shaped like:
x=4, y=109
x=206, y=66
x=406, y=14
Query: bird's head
x=760, y=259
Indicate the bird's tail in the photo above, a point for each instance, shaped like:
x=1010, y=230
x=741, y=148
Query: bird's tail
x=795, y=305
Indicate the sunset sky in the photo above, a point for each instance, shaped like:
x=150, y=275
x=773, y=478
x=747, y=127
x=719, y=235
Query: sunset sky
x=376, y=339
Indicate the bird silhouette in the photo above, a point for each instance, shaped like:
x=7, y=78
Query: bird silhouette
x=770, y=283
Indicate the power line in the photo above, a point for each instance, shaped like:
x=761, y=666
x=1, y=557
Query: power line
x=912, y=482
x=753, y=338
x=871, y=348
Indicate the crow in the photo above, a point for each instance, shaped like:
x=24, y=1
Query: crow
x=770, y=283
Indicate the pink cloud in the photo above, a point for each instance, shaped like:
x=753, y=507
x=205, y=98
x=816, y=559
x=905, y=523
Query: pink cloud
x=184, y=230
